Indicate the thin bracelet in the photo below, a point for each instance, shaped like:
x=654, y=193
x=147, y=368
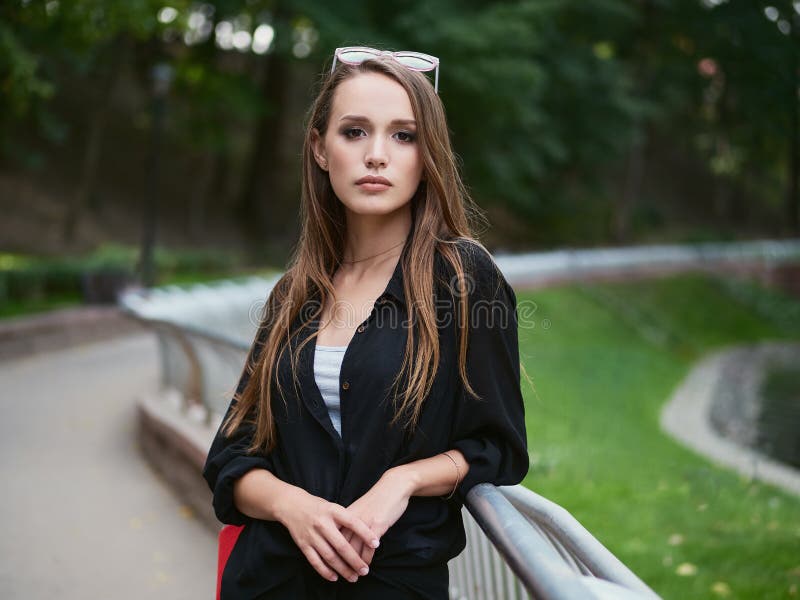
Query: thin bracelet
x=458, y=474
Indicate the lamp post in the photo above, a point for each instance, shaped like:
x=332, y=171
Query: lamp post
x=793, y=201
x=161, y=75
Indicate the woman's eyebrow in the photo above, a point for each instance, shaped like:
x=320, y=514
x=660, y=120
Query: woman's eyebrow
x=361, y=119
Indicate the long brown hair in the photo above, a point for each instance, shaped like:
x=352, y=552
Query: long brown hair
x=443, y=215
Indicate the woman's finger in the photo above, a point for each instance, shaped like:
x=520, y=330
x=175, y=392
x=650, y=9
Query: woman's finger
x=348, y=534
x=343, y=517
x=358, y=547
x=346, y=551
x=367, y=553
x=336, y=558
x=315, y=560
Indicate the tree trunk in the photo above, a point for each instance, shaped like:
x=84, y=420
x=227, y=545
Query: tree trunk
x=82, y=198
x=793, y=164
x=632, y=188
x=635, y=161
x=258, y=202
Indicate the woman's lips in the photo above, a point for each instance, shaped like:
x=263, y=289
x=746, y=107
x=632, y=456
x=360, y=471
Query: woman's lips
x=373, y=187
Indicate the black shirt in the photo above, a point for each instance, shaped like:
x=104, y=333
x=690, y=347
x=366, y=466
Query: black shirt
x=311, y=454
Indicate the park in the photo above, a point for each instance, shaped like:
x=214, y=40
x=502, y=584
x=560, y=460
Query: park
x=633, y=167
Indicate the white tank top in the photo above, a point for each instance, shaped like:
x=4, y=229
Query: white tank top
x=327, y=365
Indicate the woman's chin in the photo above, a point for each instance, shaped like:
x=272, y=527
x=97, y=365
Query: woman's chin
x=374, y=205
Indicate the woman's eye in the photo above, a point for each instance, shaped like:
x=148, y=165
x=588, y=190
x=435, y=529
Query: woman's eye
x=348, y=131
x=410, y=137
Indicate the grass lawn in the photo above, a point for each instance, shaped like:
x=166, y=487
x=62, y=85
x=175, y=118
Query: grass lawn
x=604, y=358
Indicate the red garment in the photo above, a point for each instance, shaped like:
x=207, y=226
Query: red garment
x=227, y=540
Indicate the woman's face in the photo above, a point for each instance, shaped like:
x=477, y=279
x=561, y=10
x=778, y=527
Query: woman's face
x=371, y=132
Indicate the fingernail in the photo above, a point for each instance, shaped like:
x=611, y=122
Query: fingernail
x=334, y=578
x=353, y=579
x=364, y=570
x=375, y=543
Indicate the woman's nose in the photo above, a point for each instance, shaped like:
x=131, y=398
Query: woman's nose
x=376, y=155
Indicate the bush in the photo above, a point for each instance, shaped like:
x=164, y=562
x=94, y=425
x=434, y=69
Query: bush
x=99, y=276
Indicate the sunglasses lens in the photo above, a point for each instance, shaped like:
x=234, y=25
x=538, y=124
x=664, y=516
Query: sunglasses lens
x=356, y=56
x=416, y=61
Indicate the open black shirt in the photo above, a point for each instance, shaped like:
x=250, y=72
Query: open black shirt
x=311, y=454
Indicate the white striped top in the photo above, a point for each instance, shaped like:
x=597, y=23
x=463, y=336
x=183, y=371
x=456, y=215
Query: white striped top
x=327, y=365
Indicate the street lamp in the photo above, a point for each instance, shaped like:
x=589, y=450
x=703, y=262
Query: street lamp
x=161, y=75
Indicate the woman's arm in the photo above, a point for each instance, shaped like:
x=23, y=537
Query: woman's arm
x=490, y=431
x=388, y=499
x=434, y=476
x=245, y=487
x=260, y=494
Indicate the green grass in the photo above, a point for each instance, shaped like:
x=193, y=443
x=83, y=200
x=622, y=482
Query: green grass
x=604, y=358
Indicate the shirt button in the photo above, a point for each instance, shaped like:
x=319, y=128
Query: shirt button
x=360, y=328
x=346, y=385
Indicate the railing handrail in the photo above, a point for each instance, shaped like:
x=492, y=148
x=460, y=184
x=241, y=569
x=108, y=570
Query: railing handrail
x=560, y=523
x=529, y=554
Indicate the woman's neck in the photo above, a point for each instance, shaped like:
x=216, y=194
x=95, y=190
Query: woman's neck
x=372, y=241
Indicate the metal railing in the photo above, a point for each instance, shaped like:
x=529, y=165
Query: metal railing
x=579, y=263
x=533, y=548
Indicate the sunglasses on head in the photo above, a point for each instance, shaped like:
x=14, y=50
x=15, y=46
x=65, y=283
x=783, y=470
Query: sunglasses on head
x=417, y=61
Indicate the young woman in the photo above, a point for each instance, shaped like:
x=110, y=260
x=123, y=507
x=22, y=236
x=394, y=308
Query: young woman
x=383, y=383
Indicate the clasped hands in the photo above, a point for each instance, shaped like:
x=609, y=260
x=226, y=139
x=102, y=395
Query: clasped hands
x=342, y=541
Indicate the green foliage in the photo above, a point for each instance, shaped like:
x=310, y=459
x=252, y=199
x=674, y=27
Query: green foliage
x=44, y=43
x=539, y=98
x=41, y=280
x=545, y=98
x=748, y=91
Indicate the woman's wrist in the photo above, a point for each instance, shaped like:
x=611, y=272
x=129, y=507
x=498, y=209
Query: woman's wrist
x=407, y=477
x=261, y=495
x=285, y=500
x=434, y=476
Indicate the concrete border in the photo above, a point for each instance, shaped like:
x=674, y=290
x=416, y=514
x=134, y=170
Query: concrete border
x=62, y=328
x=686, y=418
x=176, y=445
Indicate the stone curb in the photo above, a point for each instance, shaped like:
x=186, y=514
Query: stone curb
x=62, y=328
x=686, y=418
x=176, y=445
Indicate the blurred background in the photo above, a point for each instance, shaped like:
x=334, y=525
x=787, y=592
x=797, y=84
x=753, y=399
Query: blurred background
x=578, y=123
x=157, y=143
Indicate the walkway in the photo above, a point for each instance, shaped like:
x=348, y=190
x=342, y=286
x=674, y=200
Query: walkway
x=84, y=516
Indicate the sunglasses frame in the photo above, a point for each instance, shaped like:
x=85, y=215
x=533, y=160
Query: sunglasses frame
x=339, y=51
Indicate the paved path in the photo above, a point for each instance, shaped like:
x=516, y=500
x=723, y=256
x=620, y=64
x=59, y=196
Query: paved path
x=84, y=516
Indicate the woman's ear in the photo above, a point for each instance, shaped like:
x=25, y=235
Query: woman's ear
x=318, y=149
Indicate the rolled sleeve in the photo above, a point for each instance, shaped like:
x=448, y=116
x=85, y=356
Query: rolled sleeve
x=227, y=458
x=490, y=432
